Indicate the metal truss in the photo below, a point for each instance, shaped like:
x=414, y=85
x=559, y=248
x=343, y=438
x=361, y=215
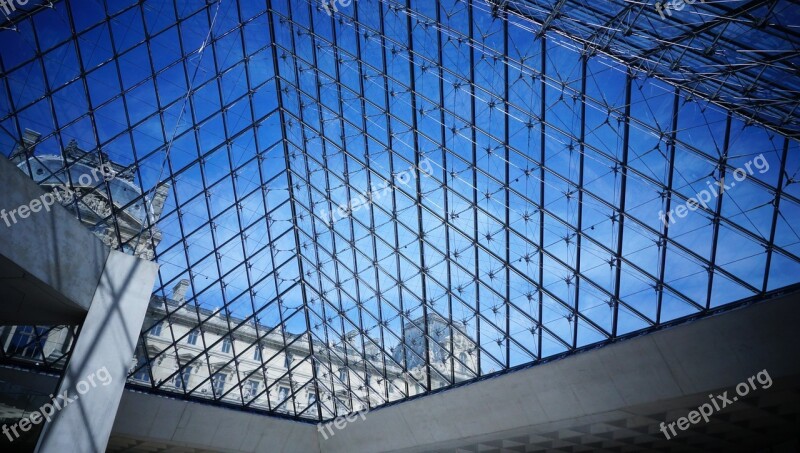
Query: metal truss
x=742, y=55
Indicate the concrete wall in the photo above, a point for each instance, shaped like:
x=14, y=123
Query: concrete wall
x=194, y=425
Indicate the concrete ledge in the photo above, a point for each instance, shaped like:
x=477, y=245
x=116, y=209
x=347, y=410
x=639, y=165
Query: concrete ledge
x=188, y=424
x=657, y=373
x=49, y=263
x=682, y=361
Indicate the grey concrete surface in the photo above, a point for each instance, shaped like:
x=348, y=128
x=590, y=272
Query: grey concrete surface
x=103, y=353
x=686, y=360
x=193, y=425
x=49, y=264
x=660, y=373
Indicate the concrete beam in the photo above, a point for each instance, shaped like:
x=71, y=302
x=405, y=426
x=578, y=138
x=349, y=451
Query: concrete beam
x=180, y=423
x=101, y=358
x=680, y=362
x=49, y=264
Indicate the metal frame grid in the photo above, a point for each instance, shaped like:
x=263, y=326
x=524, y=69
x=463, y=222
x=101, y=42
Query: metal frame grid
x=496, y=176
x=742, y=55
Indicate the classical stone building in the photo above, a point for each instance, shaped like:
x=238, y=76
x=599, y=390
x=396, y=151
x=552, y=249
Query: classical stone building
x=252, y=366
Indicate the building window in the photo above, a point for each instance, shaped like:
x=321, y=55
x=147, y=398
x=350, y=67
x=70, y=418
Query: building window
x=343, y=374
x=312, y=399
x=463, y=358
x=218, y=383
x=251, y=388
x=27, y=342
x=192, y=338
x=142, y=373
x=181, y=380
x=368, y=378
x=257, y=354
x=287, y=360
x=155, y=331
x=283, y=394
x=226, y=345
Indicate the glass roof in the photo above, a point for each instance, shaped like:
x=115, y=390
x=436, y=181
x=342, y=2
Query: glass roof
x=420, y=194
x=741, y=54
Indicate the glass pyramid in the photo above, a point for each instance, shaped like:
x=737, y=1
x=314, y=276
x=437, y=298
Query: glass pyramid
x=357, y=202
